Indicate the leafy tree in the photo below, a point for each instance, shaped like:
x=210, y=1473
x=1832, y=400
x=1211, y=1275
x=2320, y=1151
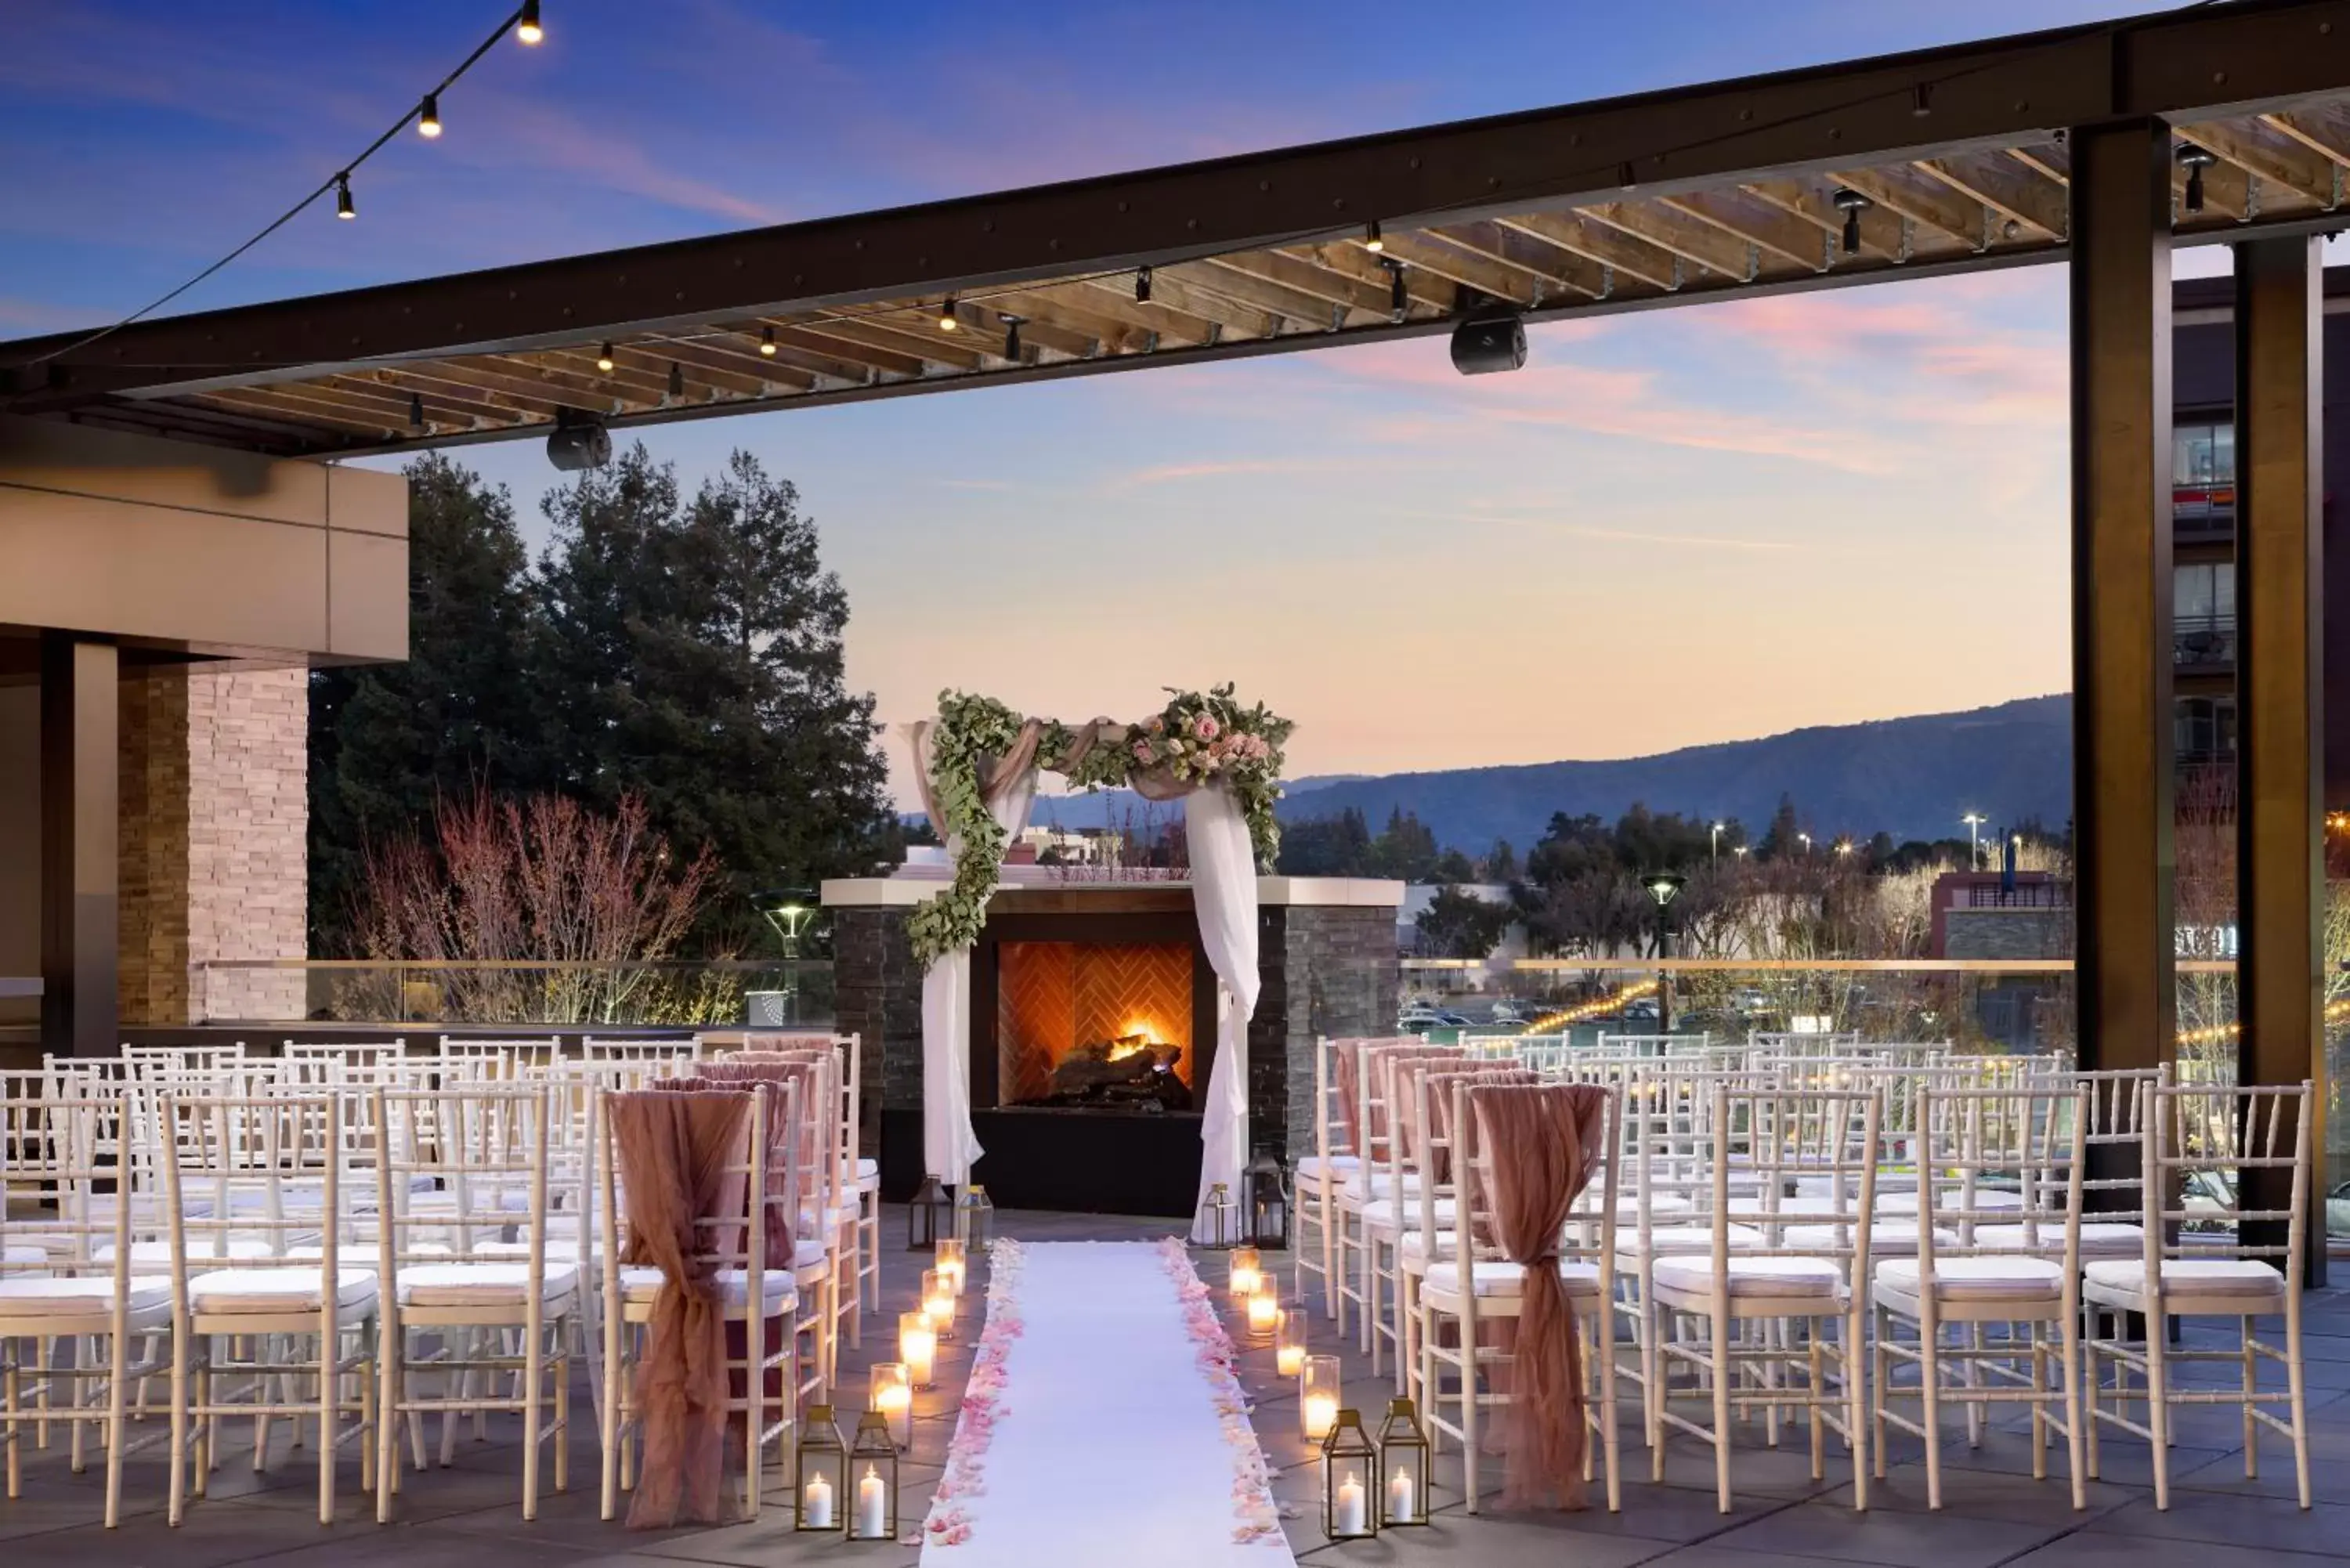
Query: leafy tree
x=1453, y=867
x=1502, y=862
x=691, y=654
x=1460, y=925
x=388, y=740
x=1326, y=845
x=1405, y=848
x=1785, y=837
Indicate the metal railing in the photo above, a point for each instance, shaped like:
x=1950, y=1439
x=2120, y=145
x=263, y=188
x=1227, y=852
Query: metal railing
x=684, y=992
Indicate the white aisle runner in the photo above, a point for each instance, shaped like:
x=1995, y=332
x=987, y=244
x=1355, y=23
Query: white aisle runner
x=1105, y=1445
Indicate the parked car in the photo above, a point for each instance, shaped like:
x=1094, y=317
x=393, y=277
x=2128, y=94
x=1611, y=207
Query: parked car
x=1506, y=1011
x=1418, y=1015
x=1641, y=1010
x=2337, y=1210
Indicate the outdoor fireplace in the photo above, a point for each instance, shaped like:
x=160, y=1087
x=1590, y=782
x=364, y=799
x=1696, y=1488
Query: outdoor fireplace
x=1094, y=1025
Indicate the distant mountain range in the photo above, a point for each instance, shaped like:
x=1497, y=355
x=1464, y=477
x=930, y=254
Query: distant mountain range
x=1912, y=778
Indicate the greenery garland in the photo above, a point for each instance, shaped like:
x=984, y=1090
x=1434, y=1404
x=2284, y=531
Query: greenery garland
x=1199, y=738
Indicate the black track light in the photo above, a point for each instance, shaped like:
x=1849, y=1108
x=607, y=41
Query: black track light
x=604, y=360
x=767, y=341
x=676, y=380
x=415, y=411
x=1372, y=239
x=948, y=320
x=1142, y=285
x=343, y=206
x=2195, y=159
x=1011, y=335
x=428, y=117
x=1921, y=99
x=527, y=25
x=1852, y=204
x=1399, y=297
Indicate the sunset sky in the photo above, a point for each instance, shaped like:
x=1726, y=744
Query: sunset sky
x=1673, y=527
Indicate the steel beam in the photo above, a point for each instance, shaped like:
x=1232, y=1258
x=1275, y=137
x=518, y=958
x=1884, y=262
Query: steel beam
x=2125, y=976
x=80, y=872
x=2281, y=687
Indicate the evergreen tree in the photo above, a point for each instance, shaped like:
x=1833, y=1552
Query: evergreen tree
x=387, y=739
x=692, y=655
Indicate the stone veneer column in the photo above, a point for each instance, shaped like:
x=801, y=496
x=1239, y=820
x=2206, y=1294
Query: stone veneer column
x=215, y=841
x=1327, y=969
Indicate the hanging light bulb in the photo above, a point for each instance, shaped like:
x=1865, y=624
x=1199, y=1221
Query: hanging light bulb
x=948, y=320
x=415, y=411
x=1852, y=204
x=1142, y=285
x=1011, y=335
x=2195, y=159
x=343, y=207
x=527, y=25
x=767, y=341
x=1372, y=239
x=676, y=380
x=428, y=118
x=1399, y=297
x=604, y=360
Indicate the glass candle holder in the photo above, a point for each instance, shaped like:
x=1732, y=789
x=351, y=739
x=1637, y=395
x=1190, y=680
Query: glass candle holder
x=939, y=1302
x=1247, y=1272
x=1318, y=1393
x=917, y=1347
x=1289, y=1342
x=890, y=1395
x=1263, y=1313
x=953, y=1261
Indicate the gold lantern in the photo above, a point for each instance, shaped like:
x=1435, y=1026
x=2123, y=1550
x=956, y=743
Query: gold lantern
x=890, y=1395
x=1247, y=1272
x=1349, y=1471
x=1221, y=1217
x=1403, y=1465
x=1289, y=1342
x=1317, y=1397
x=873, y=1471
x=917, y=1347
x=820, y=1479
x=1265, y=1198
x=975, y=1219
x=924, y=1215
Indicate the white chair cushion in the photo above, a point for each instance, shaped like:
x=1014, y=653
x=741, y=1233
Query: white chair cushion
x=277, y=1290
x=2099, y=1238
x=14, y=1257
x=363, y=1254
x=1978, y=1278
x=479, y=1285
x=1665, y=1241
x=810, y=1252
x=1310, y=1168
x=1627, y=1205
x=869, y=1170
x=1984, y=1200
x=23, y=1297
x=1495, y=1277
x=1382, y=1215
x=1884, y=1236
x=1773, y=1276
x=201, y=1249
x=1362, y=1184
x=2247, y=1277
x=1412, y=1247
x=642, y=1284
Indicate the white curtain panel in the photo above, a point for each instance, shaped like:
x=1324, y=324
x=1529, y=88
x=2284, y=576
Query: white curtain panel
x=950, y=1146
x=1223, y=892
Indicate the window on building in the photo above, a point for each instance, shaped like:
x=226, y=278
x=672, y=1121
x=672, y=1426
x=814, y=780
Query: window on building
x=2202, y=455
x=2204, y=729
x=2204, y=594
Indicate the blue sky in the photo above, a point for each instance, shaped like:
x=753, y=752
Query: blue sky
x=1675, y=527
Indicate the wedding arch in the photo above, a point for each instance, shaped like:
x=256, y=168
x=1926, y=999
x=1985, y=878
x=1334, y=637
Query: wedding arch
x=977, y=764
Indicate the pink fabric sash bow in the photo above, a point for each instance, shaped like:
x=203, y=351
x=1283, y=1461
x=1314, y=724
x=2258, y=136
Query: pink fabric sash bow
x=1347, y=1067
x=673, y=1150
x=1537, y=1146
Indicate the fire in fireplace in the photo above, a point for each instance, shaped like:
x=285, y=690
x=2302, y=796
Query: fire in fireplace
x=1104, y=1026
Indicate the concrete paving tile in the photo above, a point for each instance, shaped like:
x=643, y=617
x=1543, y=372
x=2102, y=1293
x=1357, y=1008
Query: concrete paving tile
x=2270, y=1524
x=1895, y=1537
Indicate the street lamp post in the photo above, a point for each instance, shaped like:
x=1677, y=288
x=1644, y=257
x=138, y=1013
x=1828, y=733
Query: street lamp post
x=1716, y=859
x=1664, y=886
x=788, y=910
x=1974, y=821
x=1805, y=840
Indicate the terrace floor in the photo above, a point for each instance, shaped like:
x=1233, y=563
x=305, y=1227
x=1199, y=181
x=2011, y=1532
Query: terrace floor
x=1994, y=1514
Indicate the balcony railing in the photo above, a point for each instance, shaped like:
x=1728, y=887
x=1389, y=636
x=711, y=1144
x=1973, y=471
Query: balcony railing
x=684, y=992
x=2204, y=641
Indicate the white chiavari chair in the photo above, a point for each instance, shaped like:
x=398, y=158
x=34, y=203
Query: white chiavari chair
x=67, y=1333
x=1320, y=1176
x=1423, y=1108
x=1374, y=1189
x=1784, y=1322
x=143, y=1059
x=2200, y=1261
x=668, y=1049
x=737, y=1246
x=479, y=1059
x=1470, y=1286
x=2010, y=1266
x=270, y=1168
x=497, y=1317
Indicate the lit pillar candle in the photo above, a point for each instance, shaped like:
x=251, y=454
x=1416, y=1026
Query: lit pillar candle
x=816, y=1504
x=1264, y=1312
x=917, y=1347
x=1402, y=1497
x=952, y=1262
x=1318, y=1387
x=1289, y=1343
x=1346, y=1508
x=1321, y=1414
x=872, y=1505
x=1247, y=1272
x=939, y=1302
x=893, y=1397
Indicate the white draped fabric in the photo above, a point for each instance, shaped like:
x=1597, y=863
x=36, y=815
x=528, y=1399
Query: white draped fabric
x=1223, y=894
x=950, y=1146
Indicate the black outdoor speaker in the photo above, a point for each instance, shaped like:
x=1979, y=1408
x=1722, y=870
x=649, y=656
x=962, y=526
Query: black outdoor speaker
x=1484, y=344
x=578, y=442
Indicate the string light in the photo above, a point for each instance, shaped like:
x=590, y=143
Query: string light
x=527, y=25
x=604, y=360
x=1372, y=239
x=428, y=117
x=767, y=341
x=1583, y=1012
x=343, y=206
x=948, y=320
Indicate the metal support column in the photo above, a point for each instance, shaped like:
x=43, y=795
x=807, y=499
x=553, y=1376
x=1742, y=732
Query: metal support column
x=2122, y=746
x=80, y=870
x=2280, y=693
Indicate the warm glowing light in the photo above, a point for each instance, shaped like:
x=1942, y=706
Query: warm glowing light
x=1264, y=1312
x=892, y=1396
x=527, y=27
x=1289, y=1343
x=1598, y=1007
x=1247, y=1276
x=918, y=1347
x=428, y=117
x=953, y=1262
x=939, y=1302
x=948, y=320
x=767, y=347
x=344, y=208
x=604, y=360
